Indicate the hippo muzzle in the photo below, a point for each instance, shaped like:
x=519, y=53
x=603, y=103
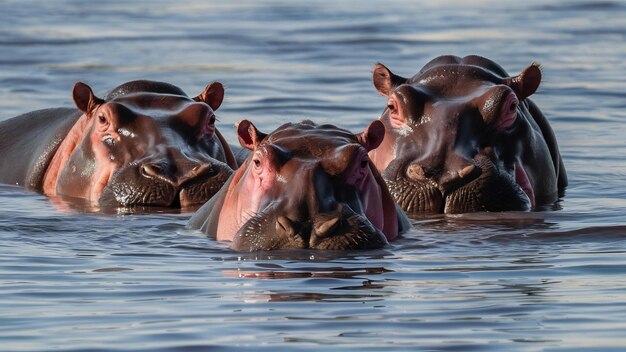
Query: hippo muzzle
x=482, y=185
x=161, y=184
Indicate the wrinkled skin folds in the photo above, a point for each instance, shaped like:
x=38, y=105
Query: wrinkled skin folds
x=462, y=136
x=146, y=144
x=304, y=186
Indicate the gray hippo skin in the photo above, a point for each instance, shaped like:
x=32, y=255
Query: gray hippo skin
x=304, y=186
x=462, y=136
x=146, y=144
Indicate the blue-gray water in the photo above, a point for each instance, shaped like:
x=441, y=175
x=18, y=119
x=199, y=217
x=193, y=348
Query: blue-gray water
x=550, y=281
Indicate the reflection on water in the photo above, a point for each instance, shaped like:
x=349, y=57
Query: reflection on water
x=75, y=277
x=72, y=205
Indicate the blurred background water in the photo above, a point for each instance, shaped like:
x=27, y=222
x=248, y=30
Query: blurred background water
x=549, y=281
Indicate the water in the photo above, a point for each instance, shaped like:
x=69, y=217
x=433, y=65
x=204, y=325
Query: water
x=550, y=281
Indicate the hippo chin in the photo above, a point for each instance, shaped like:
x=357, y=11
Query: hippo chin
x=146, y=144
x=304, y=186
x=462, y=136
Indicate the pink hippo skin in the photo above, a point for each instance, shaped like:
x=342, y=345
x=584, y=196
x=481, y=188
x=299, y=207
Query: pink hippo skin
x=304, y=186
x=462, y=136
x=147, y=144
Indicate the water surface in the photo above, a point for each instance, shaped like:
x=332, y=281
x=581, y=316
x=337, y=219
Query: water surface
x=549, y=281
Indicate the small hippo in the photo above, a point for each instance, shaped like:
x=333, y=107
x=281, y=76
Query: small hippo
x=462, y=136
x=304, y=186
x=147, y=144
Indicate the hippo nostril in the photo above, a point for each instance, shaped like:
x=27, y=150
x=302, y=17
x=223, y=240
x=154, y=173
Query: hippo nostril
x=466, y=171
x=199, y=170
x=415, y=173
x=151, y=170
x=451, y=180
x=326, y=227
x=488, y=151
x=283, y=224
x=469, y=173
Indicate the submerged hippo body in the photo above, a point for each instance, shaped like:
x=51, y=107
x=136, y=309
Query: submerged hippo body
x=304, y=186
x=462, y=136
x=147, y=144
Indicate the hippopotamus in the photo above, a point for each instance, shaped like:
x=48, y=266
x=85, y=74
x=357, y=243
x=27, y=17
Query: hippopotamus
x=146, y=144
x=463, y=136
x=304, y=186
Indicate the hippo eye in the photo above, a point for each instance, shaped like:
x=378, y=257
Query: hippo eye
x=257, y=163
x=364, y=163
x=103, y=123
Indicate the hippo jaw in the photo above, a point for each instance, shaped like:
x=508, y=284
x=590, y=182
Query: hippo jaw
x=347, y=230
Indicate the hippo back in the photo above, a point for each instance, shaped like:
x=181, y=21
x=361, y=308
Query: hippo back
x=28, y=143
x=145, y=86
x=473, y=60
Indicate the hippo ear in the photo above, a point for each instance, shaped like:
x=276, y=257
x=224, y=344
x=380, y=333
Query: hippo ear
x=84, y=98
x=385, y=81
x=249, y=136
x=526, y=83
x=213, y=95
x=372, y=136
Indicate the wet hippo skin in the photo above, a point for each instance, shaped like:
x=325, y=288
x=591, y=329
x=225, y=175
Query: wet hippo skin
x=462, y=136
x=304, y=186
x=146, y=144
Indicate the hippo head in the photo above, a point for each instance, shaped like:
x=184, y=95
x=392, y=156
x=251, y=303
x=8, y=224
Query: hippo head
x=142, y=148
x=461, y=136
x=307, y=186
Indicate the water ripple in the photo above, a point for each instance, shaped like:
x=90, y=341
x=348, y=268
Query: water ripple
x=73, y=279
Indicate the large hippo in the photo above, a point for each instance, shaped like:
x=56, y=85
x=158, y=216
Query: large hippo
x=462, y=136
x=304, y=186
x=146, y=144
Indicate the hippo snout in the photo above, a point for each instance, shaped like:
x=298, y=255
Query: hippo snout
x=340, y=230
x=345, y=230
x=163, y=184
x=482, y=184
x=328, y=214
x=177, y=178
